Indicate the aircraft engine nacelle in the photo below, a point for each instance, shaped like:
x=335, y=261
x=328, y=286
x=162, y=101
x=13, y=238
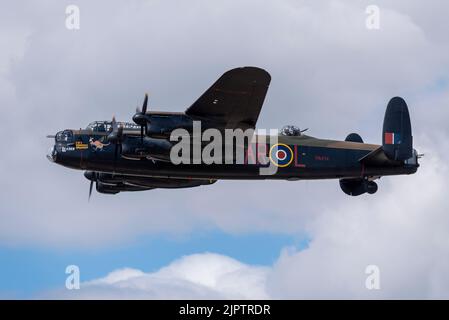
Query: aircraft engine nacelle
x=136, y=148
x=114, y=189
x=105, y=188
x=125, y=182
x=357, y=187
x=161, y=126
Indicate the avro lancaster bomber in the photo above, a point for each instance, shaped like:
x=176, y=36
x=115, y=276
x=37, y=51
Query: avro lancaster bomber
x=147, y=154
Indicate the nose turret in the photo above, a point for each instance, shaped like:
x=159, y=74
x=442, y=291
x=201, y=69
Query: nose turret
x=68, y=149
x=52, y=154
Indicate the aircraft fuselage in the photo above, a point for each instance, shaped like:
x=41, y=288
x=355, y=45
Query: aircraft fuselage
x=307, y=158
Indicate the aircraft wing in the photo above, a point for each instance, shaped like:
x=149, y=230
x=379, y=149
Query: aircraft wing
x=234, y=100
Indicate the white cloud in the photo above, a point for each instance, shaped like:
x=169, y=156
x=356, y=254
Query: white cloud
x=198, y=276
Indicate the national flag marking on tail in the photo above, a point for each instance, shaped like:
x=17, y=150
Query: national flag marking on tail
x=392, y=138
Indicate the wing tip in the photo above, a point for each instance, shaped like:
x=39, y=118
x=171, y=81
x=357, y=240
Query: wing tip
x=252, y=71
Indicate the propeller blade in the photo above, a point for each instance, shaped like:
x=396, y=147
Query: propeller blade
x=120, y=132
x=141, y=134
x=90, y=189
x=52, y=136
x=116, y=135
x=114, y=124
x=145, y=103
x=141, y=119
x=115, y=153
x=115, y=156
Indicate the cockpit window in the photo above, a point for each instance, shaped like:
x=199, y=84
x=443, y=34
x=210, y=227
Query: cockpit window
x=105, y=126
x=100, y=126
x=64, y=136
x=290, y=131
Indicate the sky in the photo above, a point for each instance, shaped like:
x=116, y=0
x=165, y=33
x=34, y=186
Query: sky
x=233, y=239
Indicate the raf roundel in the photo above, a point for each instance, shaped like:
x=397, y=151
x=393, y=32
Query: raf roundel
x=281, y=155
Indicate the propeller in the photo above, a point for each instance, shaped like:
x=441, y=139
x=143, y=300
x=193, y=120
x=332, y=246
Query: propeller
x=90, y=189
x=92, y=176
x=51, y=136
x=140, y=117
x=116, y=137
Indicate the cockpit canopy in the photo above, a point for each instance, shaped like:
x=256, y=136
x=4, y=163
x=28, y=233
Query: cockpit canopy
x=290, y=130
x=105, y=126
x=99, y=126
